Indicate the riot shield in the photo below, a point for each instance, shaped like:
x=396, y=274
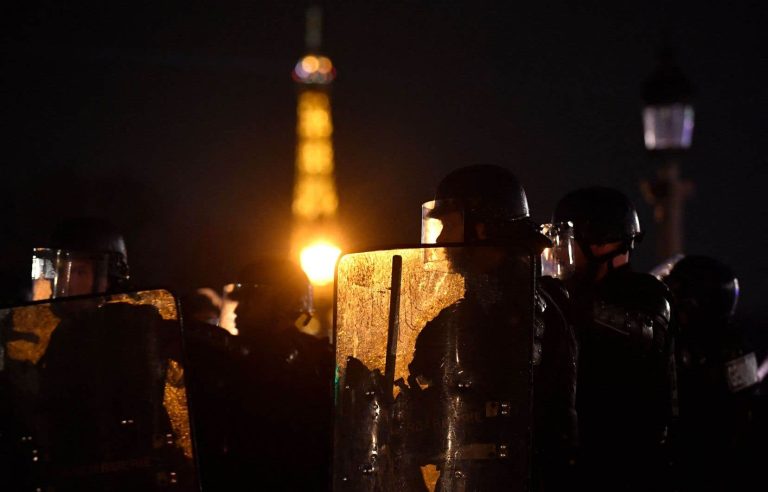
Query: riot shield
x=434, y=369
x=92, y=395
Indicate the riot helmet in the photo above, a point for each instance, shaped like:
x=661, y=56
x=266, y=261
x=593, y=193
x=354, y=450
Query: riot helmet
x=84, y=256
x=476, y=204
x=267, y=293
x=705, y=289
x=600, y=216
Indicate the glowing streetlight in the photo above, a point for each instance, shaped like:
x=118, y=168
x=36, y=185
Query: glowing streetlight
x=319, y=261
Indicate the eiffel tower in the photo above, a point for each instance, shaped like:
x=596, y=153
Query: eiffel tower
x=315, y=236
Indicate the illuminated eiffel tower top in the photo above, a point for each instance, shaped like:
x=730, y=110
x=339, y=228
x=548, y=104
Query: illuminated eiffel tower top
x=313, y=68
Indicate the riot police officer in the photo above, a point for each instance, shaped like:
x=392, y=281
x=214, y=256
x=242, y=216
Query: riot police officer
x=104, y=368
x=625, y=378
x=484, y=209
x=719, y=436
x=264, y=395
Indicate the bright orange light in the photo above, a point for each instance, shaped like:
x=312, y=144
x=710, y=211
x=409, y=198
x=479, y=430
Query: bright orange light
x=319, y=261
x=310, y=64
x=325, y=65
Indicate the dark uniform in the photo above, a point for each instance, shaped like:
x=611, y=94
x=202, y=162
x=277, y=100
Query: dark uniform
x=485, y=341
x=486, y=329
x=720, y=434
x=263, y=397
x=625, y=386
x=626, y=393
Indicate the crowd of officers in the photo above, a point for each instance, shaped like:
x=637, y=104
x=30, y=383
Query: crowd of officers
x=640, y=381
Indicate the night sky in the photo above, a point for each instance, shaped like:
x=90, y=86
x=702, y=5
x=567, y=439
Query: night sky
x=177, y=120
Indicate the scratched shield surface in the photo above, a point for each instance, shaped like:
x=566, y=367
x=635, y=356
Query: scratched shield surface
x=93, y=395
x=433, y=381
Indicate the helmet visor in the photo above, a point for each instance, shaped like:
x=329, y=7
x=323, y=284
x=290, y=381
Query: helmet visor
x=557, y=261
x=63, y=273
x=43, y=273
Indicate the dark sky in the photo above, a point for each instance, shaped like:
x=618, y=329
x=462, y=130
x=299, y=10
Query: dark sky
x=176, y=119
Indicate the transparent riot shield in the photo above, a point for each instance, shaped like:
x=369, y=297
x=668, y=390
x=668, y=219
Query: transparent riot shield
x=92, y=395
x=434, y=369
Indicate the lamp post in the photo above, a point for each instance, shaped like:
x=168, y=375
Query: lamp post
x=668, y=120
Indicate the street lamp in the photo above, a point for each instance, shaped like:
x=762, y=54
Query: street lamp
x=668, y=111
x=668, y=120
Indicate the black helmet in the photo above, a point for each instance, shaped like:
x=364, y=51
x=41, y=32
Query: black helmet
x=599, y=215
x=91, y=239
x=704, y=285
x=485, y=194
x=88, y=234
x=278, y=275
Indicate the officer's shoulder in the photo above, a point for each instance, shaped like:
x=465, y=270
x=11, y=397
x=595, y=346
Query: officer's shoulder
x=638, y=283
x=315, y=341
x=437, y=325
x=448, y=313
x=638, y=291
x=197, y=331
x=311, y=342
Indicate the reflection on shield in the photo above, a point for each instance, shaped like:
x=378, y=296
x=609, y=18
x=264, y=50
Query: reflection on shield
x=92, y=395
x=434, y=382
